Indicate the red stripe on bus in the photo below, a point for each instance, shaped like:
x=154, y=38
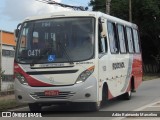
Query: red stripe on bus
x=31, y=81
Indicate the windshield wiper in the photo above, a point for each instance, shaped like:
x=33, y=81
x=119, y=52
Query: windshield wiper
x=66, y=53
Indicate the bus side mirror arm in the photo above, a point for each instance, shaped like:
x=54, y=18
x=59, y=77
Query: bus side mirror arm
x=16, y=31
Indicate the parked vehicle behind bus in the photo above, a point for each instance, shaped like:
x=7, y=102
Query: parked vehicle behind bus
x=76, y=57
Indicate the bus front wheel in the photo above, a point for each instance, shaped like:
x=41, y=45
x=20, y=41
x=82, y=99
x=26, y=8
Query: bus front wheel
x=95, y=106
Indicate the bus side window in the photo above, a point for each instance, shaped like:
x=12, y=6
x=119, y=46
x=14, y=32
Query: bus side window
x=112, y=38
x=136, y=41
x=121, y=36
x=130, y=40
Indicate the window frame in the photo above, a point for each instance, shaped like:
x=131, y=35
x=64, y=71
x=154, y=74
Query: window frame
x=128, y=47
x=138, y=41
x=21, y=30
x=115, y=37
x=125, y=43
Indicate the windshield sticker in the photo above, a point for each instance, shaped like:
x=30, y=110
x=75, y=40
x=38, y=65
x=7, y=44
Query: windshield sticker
x=51, y=58
x=35, y=52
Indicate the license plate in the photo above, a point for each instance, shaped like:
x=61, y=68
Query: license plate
x=51, y=92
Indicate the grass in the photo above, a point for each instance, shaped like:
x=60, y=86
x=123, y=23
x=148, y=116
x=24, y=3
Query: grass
x=151, y=76
x=6, y=104
x=9, y=104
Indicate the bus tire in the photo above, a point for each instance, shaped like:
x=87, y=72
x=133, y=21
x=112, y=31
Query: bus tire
x=104, y=94
x=95, y=106
x=34, y=107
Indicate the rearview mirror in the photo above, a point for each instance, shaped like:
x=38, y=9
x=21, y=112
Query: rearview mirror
x=16, y=32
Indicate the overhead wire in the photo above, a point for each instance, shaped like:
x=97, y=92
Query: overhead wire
x=51, y=2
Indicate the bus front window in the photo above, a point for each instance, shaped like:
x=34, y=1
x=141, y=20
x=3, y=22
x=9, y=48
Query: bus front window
x=56, y=40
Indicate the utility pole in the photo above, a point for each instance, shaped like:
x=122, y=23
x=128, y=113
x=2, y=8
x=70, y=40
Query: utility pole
x=108, y=4
x=0, y=60
x=130, y=10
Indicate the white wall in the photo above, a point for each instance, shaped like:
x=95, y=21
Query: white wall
x=7, y=86
x=7, y=66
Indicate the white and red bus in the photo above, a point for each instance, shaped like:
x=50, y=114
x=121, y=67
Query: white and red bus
x=79, y=56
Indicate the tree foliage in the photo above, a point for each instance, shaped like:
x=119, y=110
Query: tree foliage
x=145, y=13
x=98, y=5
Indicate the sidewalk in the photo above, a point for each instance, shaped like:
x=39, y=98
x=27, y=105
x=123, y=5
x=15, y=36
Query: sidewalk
x=7, y=97
x=7, y=101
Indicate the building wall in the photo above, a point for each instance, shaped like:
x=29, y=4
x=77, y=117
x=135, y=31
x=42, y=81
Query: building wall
x=7, y=67
x=7, y=60
x=8, y=38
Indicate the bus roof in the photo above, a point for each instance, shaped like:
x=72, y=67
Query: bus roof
x=80, y=14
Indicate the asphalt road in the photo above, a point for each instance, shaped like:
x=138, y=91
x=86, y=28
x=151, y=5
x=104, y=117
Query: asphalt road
x=146, y=94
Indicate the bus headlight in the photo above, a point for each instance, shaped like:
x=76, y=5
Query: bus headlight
x=85, y=74
x=21, y=78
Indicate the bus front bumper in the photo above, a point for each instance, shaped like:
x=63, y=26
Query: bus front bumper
x=82, y=92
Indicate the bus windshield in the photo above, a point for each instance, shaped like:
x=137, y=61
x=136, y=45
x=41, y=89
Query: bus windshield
x=56, y=40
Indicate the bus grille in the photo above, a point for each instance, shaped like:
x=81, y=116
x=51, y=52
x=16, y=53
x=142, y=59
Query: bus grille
x=62, y=95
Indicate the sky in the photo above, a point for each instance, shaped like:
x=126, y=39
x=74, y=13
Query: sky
x=13, y=12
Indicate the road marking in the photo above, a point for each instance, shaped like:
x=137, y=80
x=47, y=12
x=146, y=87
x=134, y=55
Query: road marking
x=154, y=105
x=149, y=105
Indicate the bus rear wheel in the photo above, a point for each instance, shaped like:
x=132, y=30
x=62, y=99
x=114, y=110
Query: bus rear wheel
x=127, y=95
x=104, y=95
x=34, y=107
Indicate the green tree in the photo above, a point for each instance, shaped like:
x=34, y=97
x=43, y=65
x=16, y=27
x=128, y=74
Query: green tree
x=119, y=8
x=98, y=5
x=145, y=13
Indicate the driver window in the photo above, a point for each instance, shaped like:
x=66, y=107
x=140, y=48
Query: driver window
x=102, y=45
